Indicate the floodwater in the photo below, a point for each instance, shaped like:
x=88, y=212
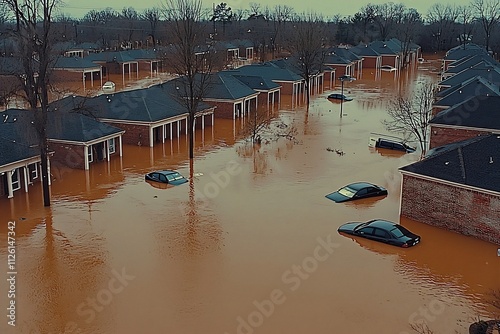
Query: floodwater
x=250, y=244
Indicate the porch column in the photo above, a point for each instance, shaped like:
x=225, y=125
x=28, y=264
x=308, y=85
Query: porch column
x=203, y=121
x=212, y=120
x=123, y=74
x=48, y=171
x=170, y=131
x=9, y=184
x=178, y=126
x=83, y=79
x=108, y=153
x=92, y=78
x=121, y=146
x=25, y=172
x=151, y=136
x=187, y=121
x=86, y=156
x=164, y=129
x=100, y=74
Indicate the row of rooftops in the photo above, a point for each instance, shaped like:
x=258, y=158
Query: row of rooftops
x=471, y=98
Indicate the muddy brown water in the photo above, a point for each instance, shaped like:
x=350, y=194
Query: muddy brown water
x=249, y=246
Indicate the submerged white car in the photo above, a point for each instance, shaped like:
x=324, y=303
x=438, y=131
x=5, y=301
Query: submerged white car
x=109, y=87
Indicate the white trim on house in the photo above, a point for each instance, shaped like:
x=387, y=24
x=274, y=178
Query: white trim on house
x=448, y=126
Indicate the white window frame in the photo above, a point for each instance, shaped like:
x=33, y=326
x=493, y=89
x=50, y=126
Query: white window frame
x=90, y=154
x=111, y=145
x=16, y=184
x=34, y=171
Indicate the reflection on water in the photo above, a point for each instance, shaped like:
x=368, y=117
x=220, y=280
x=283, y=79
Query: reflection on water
x=205, y=253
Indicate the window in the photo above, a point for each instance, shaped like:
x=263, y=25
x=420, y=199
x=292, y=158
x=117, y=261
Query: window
x=366, y=231
x=15, y=179
x=381, y=233
x=362, y=192
x=33, y=171
x=163, y=178
x=111, y=145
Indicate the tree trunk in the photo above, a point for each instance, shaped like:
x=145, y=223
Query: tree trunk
x=191, y=134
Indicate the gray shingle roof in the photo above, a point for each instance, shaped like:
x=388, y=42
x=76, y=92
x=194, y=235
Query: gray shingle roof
x=256, y=82
x=74, y=63
x=224, y=86
x=476, y=112
x=490, y=73
x=475, y=163
x=364, y=50
x=384, y=48
x=462, y=51
x=470, y=88
x=270, y=71
x=471, y=61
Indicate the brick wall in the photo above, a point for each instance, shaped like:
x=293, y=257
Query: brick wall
x=223, y=109
x=441, y=136
x=464, y=211
x=389, y=60
x=340, y=70
x=3, y=185
x=134, y=134
x=68, y=155
x=369, y=62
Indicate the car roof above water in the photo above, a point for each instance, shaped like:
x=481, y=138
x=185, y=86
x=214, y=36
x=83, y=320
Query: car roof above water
x=384, y=224
x=360, y=185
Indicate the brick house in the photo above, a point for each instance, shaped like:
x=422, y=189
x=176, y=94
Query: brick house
x=490, y=73
x=77, y=69
x=147, y=115
x=389, y=53
x=291, y=83
x=460, y=52
x=76, y=140
x=457, y=188
x=478, y=60
x=371, y=58
x=269, y=91
x=232, y=97
x=478, y=115
x=19, y=160
x=475, y=86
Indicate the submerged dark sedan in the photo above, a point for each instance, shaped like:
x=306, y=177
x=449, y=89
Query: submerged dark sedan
x=383, y=231
x=166, y=176
x=356, y=191
x=336, y=96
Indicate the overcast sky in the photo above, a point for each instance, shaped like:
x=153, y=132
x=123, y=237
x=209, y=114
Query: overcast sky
x=78, y=8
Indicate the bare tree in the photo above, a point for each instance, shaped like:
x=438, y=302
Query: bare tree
x=488, y=15
x=407, y=29
x=410, y=115
x=194, y=67
x=466, y=20
x=442, y=19
x=130, y=17
x=307, y=45
x=152, y=15
x=279, y=15
x=364, y=18
x=33, y=36
x=386, y=15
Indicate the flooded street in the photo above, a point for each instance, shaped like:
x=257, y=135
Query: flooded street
x=250, y=244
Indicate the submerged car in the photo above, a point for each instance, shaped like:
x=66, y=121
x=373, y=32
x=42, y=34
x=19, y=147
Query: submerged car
x=388, y=68
x=391, y=144
x=108, y=87
x=342, y=97
x=166, y=176
x=383, y=231
x=356, y=190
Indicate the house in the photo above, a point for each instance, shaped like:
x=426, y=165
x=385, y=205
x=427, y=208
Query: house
x=269, y=91
x=146, y=115
x=460, y=52
x=479, y=60
x=246, y=50
x=316, y=73
x=76, y=140
x=19, y=159
x=231, y=96
x=457, y=189
x=478, y=115
x=341, y=65
x=348, y=54
x=291, y=83
x=371, y=58
x=389, y=52
x=77, y=69
x=490, y=73
x=457, y=94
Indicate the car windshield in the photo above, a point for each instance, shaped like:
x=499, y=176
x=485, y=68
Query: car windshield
x=174, y=177
x=347, y=192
